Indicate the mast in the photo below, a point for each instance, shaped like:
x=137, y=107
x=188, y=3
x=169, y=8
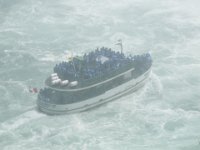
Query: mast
x=120, y=44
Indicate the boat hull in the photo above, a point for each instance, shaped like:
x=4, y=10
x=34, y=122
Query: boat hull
x=110, y=95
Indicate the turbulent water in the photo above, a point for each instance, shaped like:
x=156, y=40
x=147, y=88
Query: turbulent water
x=163, y=115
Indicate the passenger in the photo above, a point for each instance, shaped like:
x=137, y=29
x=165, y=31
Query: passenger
x=90, y=66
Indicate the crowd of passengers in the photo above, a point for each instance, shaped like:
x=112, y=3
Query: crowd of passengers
x=90, y=66
x=95, y=63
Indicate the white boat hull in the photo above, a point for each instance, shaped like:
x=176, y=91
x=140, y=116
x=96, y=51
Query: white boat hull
x=112, y=94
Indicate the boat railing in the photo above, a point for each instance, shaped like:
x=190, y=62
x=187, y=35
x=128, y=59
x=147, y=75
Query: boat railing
x=87, y=82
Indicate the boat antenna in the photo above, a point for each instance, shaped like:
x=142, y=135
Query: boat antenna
x=119, y=42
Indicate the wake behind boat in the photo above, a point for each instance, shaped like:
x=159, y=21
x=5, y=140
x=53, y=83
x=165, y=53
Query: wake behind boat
x=95, y=78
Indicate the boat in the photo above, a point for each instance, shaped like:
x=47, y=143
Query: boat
x=87, y=81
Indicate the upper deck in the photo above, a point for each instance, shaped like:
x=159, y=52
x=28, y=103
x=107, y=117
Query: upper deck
x=98, y=69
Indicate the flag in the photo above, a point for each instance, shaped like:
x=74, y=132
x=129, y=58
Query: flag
x=119, y=42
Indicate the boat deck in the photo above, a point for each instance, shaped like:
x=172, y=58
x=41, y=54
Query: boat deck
x=82, y=86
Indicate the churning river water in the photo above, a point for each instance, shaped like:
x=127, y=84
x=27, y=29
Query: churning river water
x=163, y=115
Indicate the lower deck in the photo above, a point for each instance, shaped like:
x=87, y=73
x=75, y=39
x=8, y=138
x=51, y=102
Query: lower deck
x=69, y=96
x=109, y=95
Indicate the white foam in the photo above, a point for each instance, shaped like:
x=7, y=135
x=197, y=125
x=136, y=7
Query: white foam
x=21, y=120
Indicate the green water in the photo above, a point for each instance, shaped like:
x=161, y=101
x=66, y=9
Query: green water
x=164, y=115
